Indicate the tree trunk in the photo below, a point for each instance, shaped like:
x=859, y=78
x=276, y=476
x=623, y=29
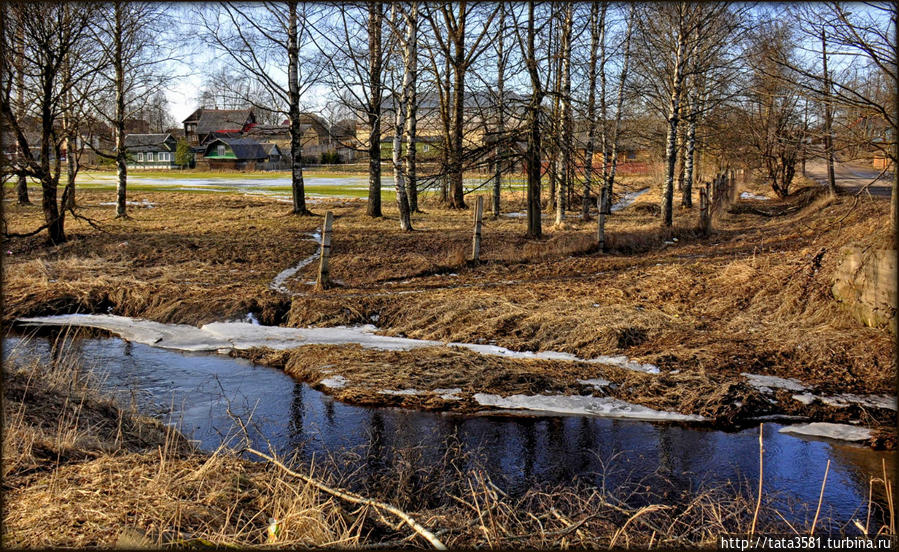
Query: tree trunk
x=457, y=198
x=402, y=201
x=22, y=182
x=121, y=155
x=296, y=145
x=68, y=194
x=412, y=110
x=565, y=116
x=620, y=104
x=671, y=144
x=500, y=115
x=828, y=119
x=533, y=121
x=375, y=15
x=687, y=193
x=597, y=26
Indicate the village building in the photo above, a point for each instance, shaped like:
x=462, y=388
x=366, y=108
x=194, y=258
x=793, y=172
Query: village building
x=234, y=153
x=150, y=151
x=203, y=123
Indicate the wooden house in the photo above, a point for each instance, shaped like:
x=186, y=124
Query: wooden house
x=234, y=153
x=202, y=124
x=150, y=151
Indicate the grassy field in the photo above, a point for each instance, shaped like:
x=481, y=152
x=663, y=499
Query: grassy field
x=754, y=296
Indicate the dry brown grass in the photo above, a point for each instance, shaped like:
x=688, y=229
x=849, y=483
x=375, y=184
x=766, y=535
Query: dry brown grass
x=79, y=470
x=753, y=296
x=114, y=479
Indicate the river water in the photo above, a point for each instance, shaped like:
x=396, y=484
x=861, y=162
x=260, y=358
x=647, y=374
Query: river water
x=197, y=391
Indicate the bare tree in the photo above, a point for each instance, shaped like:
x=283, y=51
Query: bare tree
x=564, y=169
x=132, y=38
x=867, y=85
x=354, y=50
x=53, y=35
x=449, y=27
x=269, y=44
x=527, y=45
x=407, y=38
x=775, y=126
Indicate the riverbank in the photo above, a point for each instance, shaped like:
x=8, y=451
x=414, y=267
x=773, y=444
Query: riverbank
x=139, y=483
x=753, y=298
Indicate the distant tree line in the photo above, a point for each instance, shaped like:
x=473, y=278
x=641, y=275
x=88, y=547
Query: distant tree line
x=555, y=89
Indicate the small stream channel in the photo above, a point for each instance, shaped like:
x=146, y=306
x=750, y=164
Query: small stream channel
x=195, y=391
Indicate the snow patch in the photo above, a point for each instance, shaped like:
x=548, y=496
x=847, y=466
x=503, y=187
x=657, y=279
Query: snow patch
x=146, y=204
x=871, y=401
x=334, y=382
x=842, y=432
x=805, y=398
x=278, y=282
x=575, y=404
x=596, y=383
x=251, y=318
x=451, y=394
x=627, y=200
x=749, y=195
x=766, y=384
x=401, y=392
x=244, y=335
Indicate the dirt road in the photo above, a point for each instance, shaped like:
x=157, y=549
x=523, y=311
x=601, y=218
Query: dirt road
x=851, y=177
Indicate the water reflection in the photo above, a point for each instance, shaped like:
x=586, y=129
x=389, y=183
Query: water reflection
x=203, y=393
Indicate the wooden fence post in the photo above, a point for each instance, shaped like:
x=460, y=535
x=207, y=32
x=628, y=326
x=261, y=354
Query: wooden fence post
x=324, y=278
x=601, y=219
x=476, y=240
x=704, y=209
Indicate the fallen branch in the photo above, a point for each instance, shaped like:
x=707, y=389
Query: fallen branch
x=356, y=499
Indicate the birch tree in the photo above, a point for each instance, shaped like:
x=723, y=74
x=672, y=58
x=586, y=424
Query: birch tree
x=269, y=44
x=565, y=114
x=132, y=35
x=407, y=33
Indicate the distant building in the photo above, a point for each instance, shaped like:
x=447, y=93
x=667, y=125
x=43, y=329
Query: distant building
x=150, y=151
x=203, y=123
x=235, y=153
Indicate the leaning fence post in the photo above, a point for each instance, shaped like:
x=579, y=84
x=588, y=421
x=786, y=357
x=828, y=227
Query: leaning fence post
x=476, y=240
x=324, y=279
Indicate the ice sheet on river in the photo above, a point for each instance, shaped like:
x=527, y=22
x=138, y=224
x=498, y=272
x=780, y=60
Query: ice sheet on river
x=584, y=405
x=842, y=432
x=242, y=335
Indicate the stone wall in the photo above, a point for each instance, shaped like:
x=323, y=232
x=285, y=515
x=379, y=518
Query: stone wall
x=865, y=282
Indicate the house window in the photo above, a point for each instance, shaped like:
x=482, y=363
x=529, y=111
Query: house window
x=426, y=148
x=140, y=157
x=631, y=155
x=150, y=156
x=220, y=150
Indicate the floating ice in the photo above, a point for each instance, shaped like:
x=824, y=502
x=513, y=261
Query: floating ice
x=842, y=432
x=584, y=405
